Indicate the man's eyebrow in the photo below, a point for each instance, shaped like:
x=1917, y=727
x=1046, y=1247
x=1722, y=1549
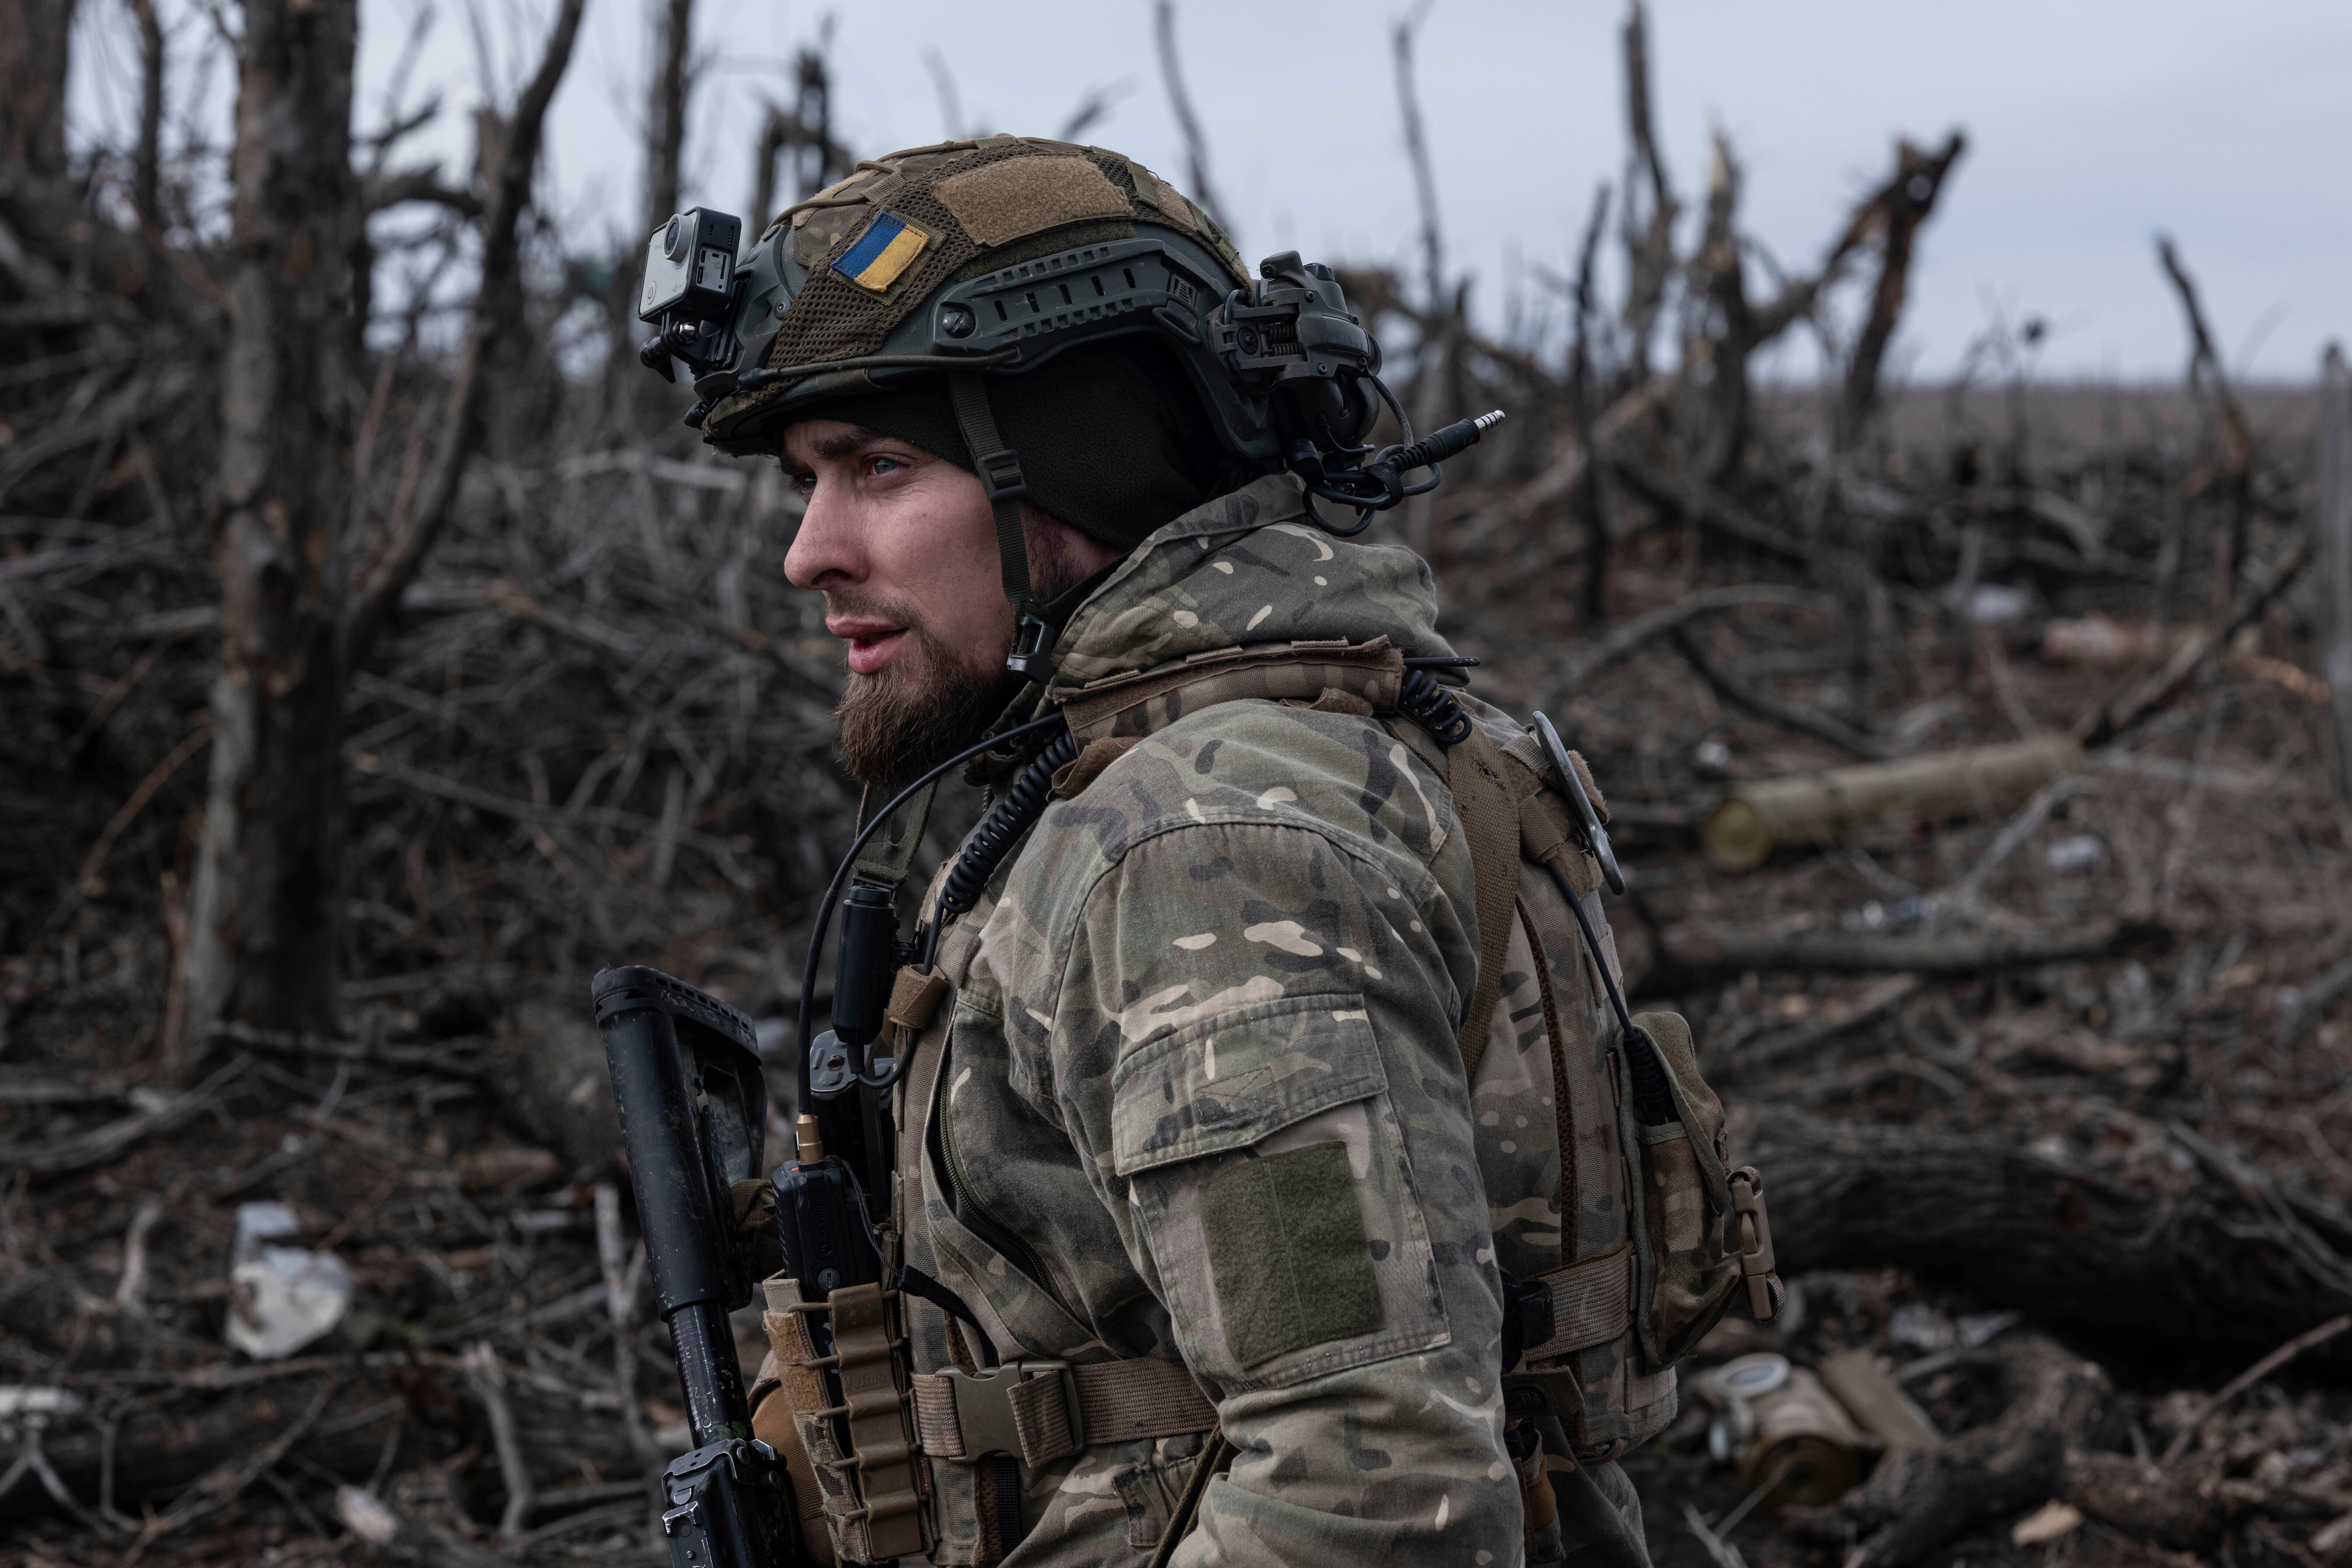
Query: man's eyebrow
x=843, y=443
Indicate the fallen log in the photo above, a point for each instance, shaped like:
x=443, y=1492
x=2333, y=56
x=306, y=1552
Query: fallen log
x=1830, y=807
x=1685, y=958
x=157, y=1452
x=170, y=1447
x=2211, y=1273
x=1795, y=1045
x=1919, y=1500
x=106, y=1143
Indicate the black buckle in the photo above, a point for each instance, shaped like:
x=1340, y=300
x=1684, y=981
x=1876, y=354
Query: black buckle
x=1001, y=477
x=1033, y=644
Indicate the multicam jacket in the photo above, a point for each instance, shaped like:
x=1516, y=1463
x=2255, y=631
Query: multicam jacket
x=1199, y=1096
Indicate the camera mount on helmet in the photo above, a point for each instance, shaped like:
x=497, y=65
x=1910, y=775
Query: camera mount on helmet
x=690, y=291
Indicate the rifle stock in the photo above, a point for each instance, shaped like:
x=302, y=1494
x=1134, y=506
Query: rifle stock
x=693, y=1109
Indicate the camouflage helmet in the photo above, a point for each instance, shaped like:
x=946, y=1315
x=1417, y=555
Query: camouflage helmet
x=995, y=255
x=986, y=259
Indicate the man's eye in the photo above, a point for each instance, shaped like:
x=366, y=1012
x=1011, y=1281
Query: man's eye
x=801, y=484
x=879, y=465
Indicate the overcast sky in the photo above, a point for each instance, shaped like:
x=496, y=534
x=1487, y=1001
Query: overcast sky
x=2092, y=125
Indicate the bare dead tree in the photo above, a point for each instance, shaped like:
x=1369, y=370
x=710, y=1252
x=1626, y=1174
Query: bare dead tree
x=1648, y=228
x=146, y=163
x=1901, y=206
x=264, y=939
x=263, y=931
x=1720, y=328
x=1090, y=110
x=35, y=38
x=495, y=318
x=943, y=82
x=666, y=116
x=1436, y=356
x=2210, y=381
x=2335, y=527
x=802, y=134
x=815, y=155
x=1196, y=143
x=1416, y=147
x=1586, y=498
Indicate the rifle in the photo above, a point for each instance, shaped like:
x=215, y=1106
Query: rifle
x=694, y=1109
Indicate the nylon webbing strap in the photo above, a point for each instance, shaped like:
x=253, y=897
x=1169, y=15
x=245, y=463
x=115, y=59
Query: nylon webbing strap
x=999, y=468
x=1489, y=811
x=1592, y=1302
x=887, y=854
x=1024, y=1408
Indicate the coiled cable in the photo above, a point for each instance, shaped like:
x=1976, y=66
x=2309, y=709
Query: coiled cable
x=993, y=839
x=848, y=864
x=1422, y=700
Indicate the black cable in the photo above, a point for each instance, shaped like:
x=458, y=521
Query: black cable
x=1422, y=700
x=993, y=839
x=1404, y=428
x=914, y=1282
x=849, y=863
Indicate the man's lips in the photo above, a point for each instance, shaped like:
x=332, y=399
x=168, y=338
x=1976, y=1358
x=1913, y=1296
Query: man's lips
x=871, y=643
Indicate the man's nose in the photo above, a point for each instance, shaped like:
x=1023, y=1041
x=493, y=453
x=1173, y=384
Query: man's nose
x=825, y=551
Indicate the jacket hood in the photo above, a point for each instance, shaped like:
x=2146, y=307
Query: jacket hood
x=1245, y=570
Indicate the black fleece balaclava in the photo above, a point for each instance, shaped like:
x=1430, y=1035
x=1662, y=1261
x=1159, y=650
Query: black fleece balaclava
x=1113, y=440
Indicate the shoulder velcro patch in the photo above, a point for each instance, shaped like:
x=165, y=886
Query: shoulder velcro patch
x=883, y=253
x=1005, y=200
x=1287, y=1252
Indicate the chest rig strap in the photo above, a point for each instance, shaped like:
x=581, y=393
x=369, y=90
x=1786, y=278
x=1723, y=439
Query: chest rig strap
x=1046, y=1410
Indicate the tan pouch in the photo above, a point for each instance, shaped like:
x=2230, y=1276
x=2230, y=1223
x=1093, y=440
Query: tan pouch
x=873, y=1491
x=1684, y=1274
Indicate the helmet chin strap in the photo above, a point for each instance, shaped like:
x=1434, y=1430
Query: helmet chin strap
x=999, y=468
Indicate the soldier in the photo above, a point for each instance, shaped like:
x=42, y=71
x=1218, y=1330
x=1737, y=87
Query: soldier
x=1183, y=1103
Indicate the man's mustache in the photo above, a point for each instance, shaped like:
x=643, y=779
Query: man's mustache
x=857, y=602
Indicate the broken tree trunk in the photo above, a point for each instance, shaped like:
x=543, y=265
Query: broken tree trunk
x=665, y=123
x=2209, y=382
x=264, y=923
x=2224, y=1270
x=1904, y=204
x=1919, y=1500
x=1842, y=804
x=2335, y=553
x=1687, y=958
x=35, y=36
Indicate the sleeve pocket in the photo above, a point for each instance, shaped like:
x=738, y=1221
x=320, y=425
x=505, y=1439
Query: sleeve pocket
x=1266, y=1167
x=1226, y=1082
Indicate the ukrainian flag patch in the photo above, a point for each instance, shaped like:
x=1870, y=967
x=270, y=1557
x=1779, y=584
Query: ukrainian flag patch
x=885, y=251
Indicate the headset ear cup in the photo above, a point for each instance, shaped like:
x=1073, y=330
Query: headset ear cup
x=1362, y=408
x=1335, y=414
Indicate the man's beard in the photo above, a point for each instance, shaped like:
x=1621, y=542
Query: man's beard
x=917, y=711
